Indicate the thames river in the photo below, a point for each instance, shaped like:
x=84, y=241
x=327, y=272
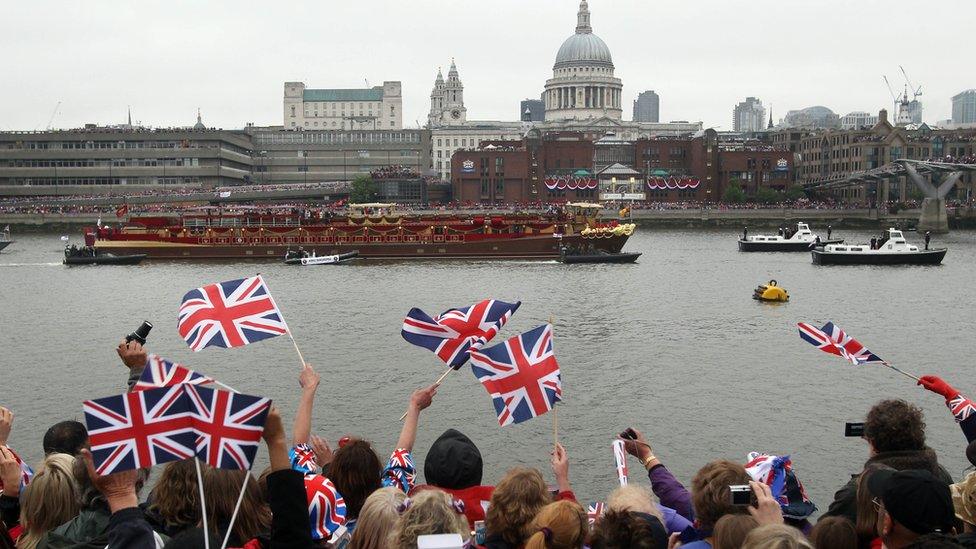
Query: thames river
x=673, y=345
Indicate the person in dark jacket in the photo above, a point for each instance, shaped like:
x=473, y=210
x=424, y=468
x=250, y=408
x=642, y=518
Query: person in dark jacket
x=455, y=466
x=895, y=433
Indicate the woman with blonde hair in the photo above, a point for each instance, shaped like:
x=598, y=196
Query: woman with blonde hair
x=634, y=498
x=377, y=519
x=429, y=512
x=517, y=499
x=559, y=525
x=51, y=499
x=776, y=536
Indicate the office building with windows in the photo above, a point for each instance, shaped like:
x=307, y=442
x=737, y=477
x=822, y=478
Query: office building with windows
x=376, y=108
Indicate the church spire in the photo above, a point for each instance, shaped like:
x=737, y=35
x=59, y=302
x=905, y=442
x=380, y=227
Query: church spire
x=440, y=77
x=770, y=118
x=130, y=116
x=583, y=19
x=453, y=72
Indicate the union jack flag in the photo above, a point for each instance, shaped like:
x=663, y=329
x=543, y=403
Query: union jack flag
x=139, y=429
x=833, y=340
x=521, y=375
x=400, y=471
x=230, y=314
x=160, y=372
x=961, y=408
x=26, y=473
x=228, y=426
x=303, y=458
x=456, y=332
x=594, y=511
x=326, y=508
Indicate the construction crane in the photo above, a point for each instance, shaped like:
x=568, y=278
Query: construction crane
x=915, y=91
x=894, y=97
x=53, y=114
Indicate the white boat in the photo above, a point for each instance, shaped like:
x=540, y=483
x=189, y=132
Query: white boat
x=892, y=249
x=304, y=258
x=800, y=239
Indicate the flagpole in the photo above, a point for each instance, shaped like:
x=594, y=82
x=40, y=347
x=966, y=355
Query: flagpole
x=203, y=505
x=555, y=418
x=902, y=372
x=237, y=508
x=438, y=382
x=297, y=350
x=282, y=317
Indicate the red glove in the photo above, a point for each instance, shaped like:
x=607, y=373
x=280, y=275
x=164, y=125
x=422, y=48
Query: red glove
x=938, y=386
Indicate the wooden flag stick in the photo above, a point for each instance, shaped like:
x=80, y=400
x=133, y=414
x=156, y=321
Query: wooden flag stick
x=297, y=350
x=237, y=508
x=555, y=418
x=203, y=506
x=438, y=382
x=902, y=372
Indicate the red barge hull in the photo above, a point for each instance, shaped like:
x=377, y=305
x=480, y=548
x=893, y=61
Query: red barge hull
x=528, y=247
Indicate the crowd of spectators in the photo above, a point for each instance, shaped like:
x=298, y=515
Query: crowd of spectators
x=396, y=171
x=900, y=497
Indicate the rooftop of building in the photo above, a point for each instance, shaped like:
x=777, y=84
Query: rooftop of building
x=359, y=94
x=583, y=47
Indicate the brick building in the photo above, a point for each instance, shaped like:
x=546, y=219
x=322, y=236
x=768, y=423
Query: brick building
x=563, y=166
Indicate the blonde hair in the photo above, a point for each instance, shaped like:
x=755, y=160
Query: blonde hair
x=634, y=498
x=429, y=512
x=377, y=519
x=516, y=500
x=776, y=536
x=50, y=500
x=559, y=525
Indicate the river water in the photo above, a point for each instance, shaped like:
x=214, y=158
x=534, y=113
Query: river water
x=673, y=345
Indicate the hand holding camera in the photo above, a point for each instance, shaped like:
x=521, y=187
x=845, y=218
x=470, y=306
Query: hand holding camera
x=131, y=349
x=767, y=509
x=635, y=443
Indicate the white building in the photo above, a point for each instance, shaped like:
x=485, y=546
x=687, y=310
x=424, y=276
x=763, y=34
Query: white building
x=447, y=100
x=376, y=108
x=582, y=84
x=857, y=120
x=749, y=116
x=964, y=108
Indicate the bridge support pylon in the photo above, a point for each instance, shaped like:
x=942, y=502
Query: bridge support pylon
x=933, y=217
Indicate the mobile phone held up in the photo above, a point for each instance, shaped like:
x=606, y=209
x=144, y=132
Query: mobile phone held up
x=853, y=429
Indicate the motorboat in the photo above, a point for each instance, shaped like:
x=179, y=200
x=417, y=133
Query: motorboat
x=304, y=258
x=605, y=257
x=798, y=238
x=891, y=249
x=89, y=256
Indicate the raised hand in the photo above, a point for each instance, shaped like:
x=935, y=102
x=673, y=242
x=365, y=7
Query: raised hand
x=767, y=509
x=308, y=379
x=133, y=355
x=938, y=386
x=323, y=452
x=119, y=488
x=6, y=422
x=422, y=398
x=636, y=446
x=560, y=467
x=9, y=472
x=273, y=428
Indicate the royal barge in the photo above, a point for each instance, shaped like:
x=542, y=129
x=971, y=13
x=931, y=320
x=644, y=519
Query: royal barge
x=375, y=230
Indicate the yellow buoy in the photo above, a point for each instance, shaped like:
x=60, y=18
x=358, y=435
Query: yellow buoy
x=770, y=292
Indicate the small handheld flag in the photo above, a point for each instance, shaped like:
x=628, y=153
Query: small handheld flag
x=326, y=508
x=453, y=334
x=593, y=512
x=833, y=340
x=139, y=429
x=26, y=473
x=228, y=426
x=521, y=375
x=160, y=372
x=230, y=314
x=620, y=458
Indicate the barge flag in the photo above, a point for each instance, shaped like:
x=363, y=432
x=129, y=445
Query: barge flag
x=833, y=340
x=160, y=372
x=230, y=314
x=455, y=333
x=521, y=375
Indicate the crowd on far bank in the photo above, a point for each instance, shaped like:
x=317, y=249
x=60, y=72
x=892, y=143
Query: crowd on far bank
x=899, y=497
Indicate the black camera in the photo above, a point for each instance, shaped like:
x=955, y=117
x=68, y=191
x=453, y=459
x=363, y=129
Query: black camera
x=853, y=429
x=141, y=333
x=629, y=434
x=740, y=494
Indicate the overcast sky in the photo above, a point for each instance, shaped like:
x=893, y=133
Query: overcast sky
x=230, y=59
